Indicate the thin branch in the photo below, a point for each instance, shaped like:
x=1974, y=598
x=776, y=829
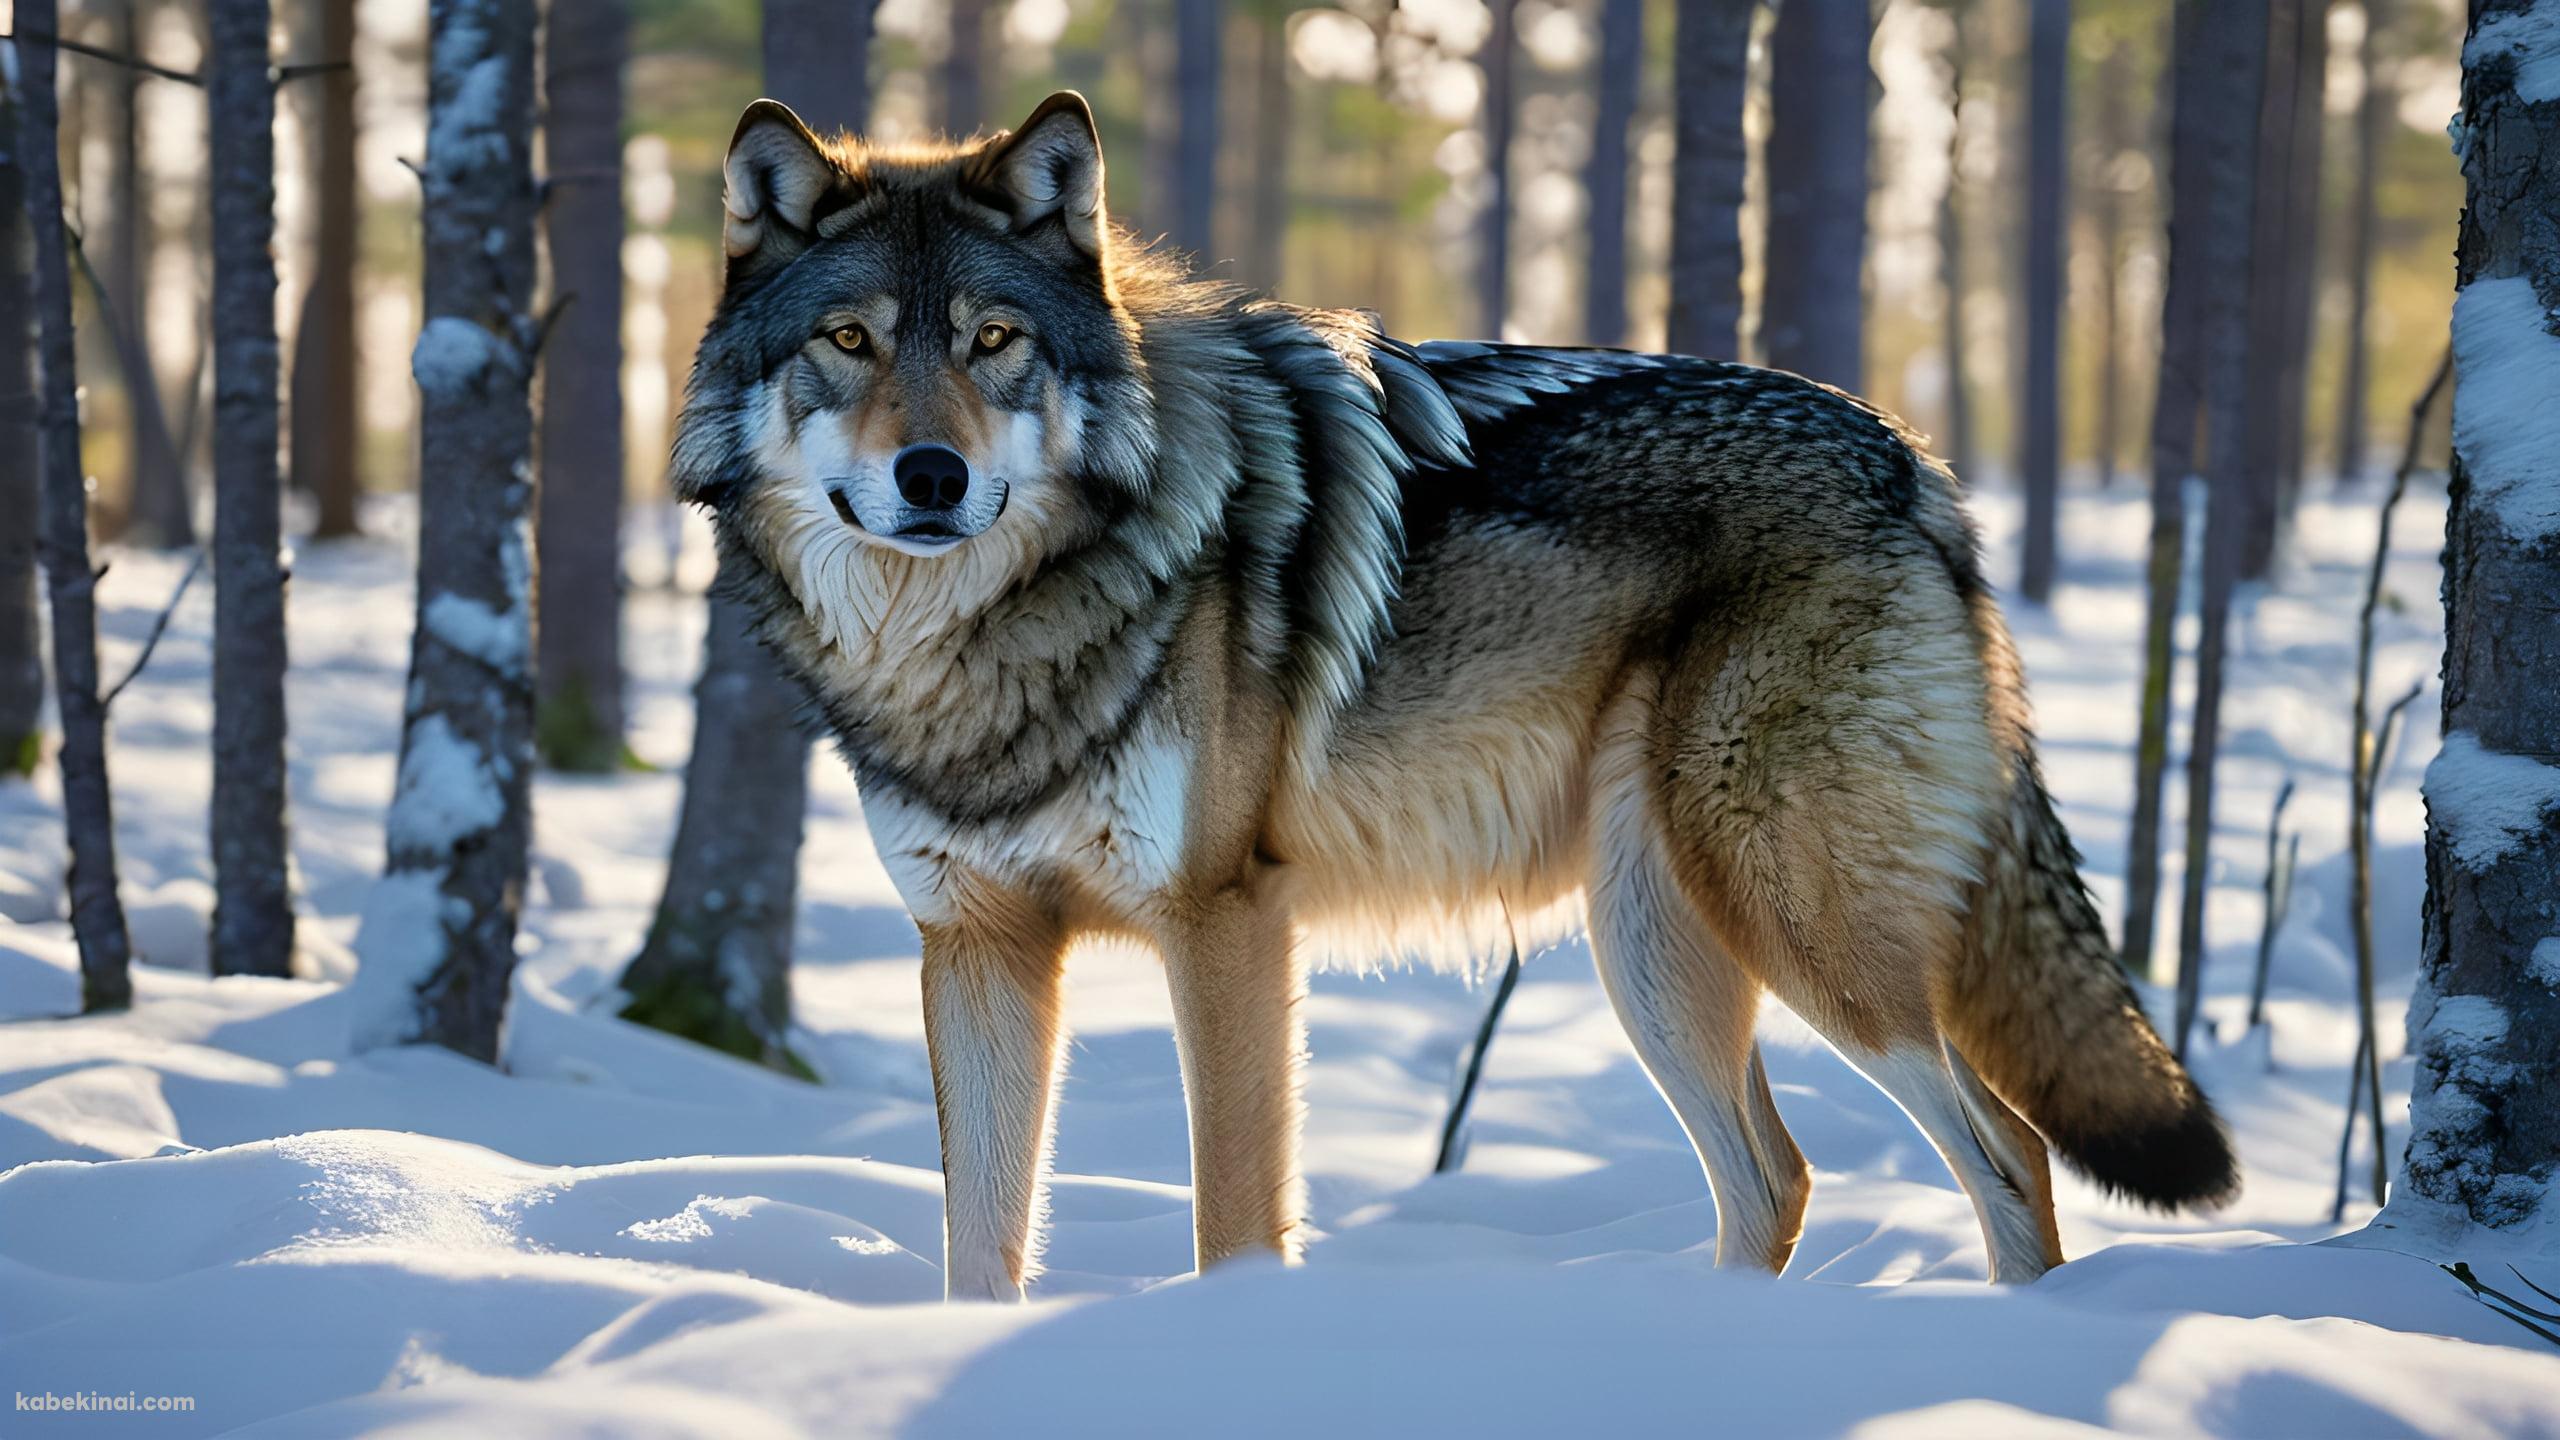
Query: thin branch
x=286, y=74
x=130, y=62
x=1457, y=1121
x=159, y=626
x=2279, y=893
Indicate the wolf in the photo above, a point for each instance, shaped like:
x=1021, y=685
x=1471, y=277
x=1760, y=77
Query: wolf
x=1144, y=607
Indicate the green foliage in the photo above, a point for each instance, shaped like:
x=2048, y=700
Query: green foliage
x=22, y=755
x=687, y=1003
x=572, y=737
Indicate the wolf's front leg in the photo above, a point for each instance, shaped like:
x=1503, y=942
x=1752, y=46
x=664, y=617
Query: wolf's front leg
x=1237, y=983
x=991, y=1000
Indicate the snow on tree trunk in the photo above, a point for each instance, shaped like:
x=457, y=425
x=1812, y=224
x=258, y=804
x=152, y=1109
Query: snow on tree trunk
x=2048, y=76
x=437, y=943
x=579, y=720
x=1619, y=75
x=1711, y=78
x=1813, y=298
x=324, y=416
x=97, y=915
x=21, y=640
x=253, y=906
x=717, y=964
x=1493, y=224
x=2485, y=1021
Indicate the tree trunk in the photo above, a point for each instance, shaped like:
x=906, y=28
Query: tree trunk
x=578, y=721
x=2272, y=234
x=325, y=430
x=253, y=903
x=2485, y=1022
x=2237, y=34
x=1493, y=223
x=1265, y=252
x=1199, y=64
x=717, y=964
x=964, y=66
x=1604, y=178
x=21, y=637
x=158, y=513
x=2301, y=289
x=2107, y=205
x=2046, y=241
x=438, y=938
x=1711, y=78
x=2374, y=119
x=2177, y=400
x=1820, y=89
x=1960, y=450
x=97, y=915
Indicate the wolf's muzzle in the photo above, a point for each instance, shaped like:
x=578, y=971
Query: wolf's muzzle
x=931, y=500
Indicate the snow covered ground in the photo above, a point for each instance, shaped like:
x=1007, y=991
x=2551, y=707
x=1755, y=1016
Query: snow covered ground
x=623, y=1235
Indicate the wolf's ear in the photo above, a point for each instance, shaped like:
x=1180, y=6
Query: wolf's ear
x=1051, y=166
x=776, y=175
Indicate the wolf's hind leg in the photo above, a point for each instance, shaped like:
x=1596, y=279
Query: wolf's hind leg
x=1689, y=1010
x=992, y=983
x=1238, y=990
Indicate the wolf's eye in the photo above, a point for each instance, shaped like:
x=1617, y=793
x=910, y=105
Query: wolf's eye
x=993, y=337
x=852, y=339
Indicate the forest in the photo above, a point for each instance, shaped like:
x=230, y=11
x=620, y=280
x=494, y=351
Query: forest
x=453, y=977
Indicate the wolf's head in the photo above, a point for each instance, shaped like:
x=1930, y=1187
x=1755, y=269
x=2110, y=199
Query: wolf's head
x=921, y=362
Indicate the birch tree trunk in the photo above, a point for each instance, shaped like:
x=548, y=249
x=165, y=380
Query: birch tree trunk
x=438, y=940
x=2485, y=1021
x=1604, y=177
x=1813, y=299
x=324, y=428
x=1493, y=224
x=21, y=637
x=716, y=967
x=253, y=904
x=578, y=719
x=2047, y=237
x=1711, y=66
x=97, y=914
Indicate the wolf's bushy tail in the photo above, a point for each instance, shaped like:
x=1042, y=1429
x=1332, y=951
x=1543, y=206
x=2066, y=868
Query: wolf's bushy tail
x=2039, y=1006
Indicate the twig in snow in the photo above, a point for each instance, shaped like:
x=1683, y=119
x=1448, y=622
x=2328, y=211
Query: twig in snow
x=159, y=625
x=2347, y=1135
x=2503, y=1303
x=2279, y=895
x=1458, y=1104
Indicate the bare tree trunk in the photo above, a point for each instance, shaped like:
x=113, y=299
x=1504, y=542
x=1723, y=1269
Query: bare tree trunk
x=717, y=964
x=253, y=904
x=1266, y=243
x=578, y=721
x=2107, y=205
x=1493, y=224
x=2301, y=289
x=324, y=433
x=2373, y=129
x=438, y=939
x=159, y=514
x=97, y=915
x=1951, y=257
x=2271, y=260
x=1813, y=299
x=1604, y=178
x=2236, y=37
x=21, y=638
x=964, y=67
x=2485, y=1022
x=2046, y=240
x=1711, y=78
x=1199, y=65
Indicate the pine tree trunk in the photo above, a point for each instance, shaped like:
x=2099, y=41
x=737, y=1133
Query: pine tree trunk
x=97, y=914
x=2374, y=120
x=717, y=964
x=964, y=65
x=253, y=904
x=1711, y=78
x=2237, y=34
x=2485, y=1021
x=2301, y=289
x=1604, y=178
x=578, y=720
x=159, y=514
x=2270, y=265
x=1820, y=90
x=1199, y=65
x=21, y=638
x=1960, y=451
x=2046, y=241
x=1493, y=223
x=2107, y=203
x=324, y=420
x=438, y=938
x=1265, y=252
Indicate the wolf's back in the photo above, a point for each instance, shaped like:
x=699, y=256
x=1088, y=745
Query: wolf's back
x=2039, y=1005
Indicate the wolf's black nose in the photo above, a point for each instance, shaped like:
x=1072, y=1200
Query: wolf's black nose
x=931, y=477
